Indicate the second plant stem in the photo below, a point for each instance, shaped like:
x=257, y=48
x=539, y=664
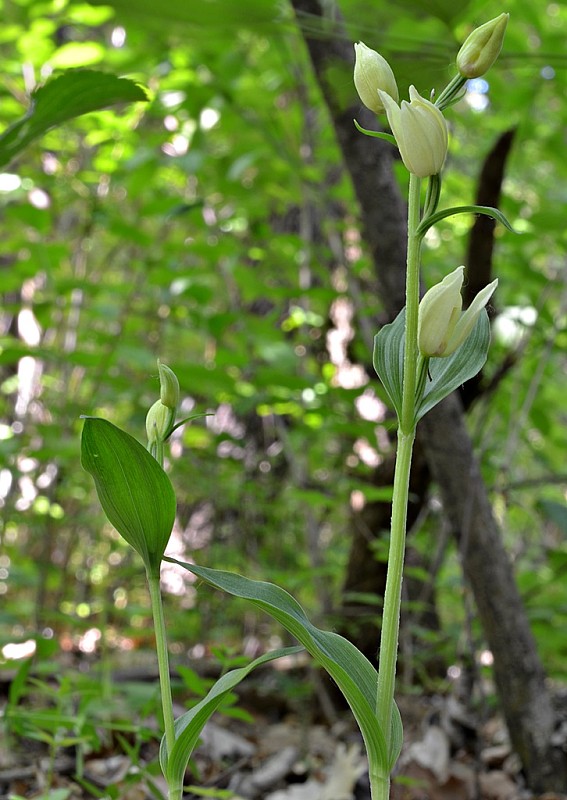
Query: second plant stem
x=406, y=437
x=163, y=666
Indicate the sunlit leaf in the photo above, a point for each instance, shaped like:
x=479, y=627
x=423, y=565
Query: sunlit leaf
x=72, y=94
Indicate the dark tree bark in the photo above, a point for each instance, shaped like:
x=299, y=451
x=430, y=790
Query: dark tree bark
x=518, y=672
x=519, y=675
x=481, y=240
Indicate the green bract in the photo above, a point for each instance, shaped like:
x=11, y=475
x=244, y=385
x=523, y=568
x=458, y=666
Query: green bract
x=134, y=491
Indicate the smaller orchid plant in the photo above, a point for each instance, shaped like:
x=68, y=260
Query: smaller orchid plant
x=430, y=349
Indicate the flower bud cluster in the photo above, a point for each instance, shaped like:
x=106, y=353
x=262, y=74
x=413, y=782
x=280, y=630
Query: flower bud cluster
x=419, y=127
x=161, y=416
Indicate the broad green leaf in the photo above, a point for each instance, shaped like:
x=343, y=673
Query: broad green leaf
x=188, y=727
x=350, y=669
x=447, y=374
x=134, y=491
x=388, y=358
x=74, y=93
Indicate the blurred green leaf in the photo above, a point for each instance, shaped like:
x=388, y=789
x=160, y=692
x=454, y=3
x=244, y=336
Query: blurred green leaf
x=70, y=95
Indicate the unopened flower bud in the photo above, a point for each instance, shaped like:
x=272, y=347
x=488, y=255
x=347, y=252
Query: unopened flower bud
x=169, y=386
x=371, y=73
x=442, y=326
x=482, y=48
x=159, y=421
x=420, y=131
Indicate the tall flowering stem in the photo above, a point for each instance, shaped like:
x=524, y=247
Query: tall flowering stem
x=406, y=437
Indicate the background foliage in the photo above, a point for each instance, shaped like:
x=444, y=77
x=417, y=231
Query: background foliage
x=215, y=227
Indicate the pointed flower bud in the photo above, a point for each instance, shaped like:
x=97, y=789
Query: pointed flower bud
x=371, y=73
x=482, y=48
x=169, y=386
x=442, y=326
x=159, y=421
x=420, y=131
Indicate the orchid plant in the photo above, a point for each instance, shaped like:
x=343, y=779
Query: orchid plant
x=430, y=349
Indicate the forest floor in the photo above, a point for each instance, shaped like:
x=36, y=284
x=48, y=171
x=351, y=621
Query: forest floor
x=296, y=743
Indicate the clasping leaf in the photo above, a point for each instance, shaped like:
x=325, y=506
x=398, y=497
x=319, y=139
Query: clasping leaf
x=444, y=374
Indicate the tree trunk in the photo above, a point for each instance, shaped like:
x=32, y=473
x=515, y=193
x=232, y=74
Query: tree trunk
x=519, y=675
x=518, y=672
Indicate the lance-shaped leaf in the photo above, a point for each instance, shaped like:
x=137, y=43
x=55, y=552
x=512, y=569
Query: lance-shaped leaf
x=134, y=491
x=350, y=669
x=188, y=727
x=74, y=93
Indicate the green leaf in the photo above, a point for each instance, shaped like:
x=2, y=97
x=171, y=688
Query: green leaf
x=134, y=491
x=74, y=93
x=350, y=669
x=488, y=211
x=188, y=727
x=388, y=358
x=447, y=374
x=444, y=375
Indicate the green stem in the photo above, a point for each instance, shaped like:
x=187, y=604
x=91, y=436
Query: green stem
x=163, y=665
x=380, y=785
x=450, y=92
x=407, y=422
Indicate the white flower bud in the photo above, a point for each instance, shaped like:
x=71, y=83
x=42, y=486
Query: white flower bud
x=442, y=327
x=420, y=131
x=371, y=73
x=482, y=48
